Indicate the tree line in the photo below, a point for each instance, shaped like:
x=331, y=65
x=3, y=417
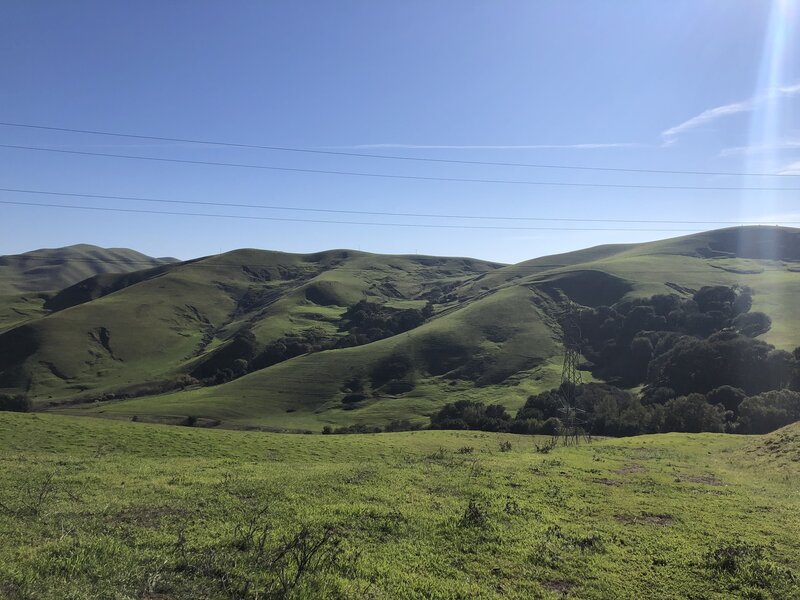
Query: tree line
x=696, y=359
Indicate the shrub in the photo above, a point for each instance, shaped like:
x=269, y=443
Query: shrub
x=359, y=428
x=467, y=414
x=726, y=395
x=752, y=324
x=552, y=426
x=392, y=368
x=16, y=403
x=402, y=425
x=768, y=411
x=692, y=414
x=353, y=398
x=474, y=515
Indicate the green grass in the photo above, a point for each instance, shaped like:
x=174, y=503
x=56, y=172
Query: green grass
x=16, y=309
x=148, y=511
x=50, y=269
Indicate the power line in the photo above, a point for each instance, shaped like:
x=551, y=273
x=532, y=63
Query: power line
x=378, y=213
x=392, y=157
x=403, y=177
x=330, y=221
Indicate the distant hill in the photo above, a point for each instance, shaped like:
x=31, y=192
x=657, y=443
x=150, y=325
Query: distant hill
x=28, y=280
x=56, y=268
x=260, y=338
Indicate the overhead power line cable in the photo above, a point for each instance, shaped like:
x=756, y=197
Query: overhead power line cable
x=381, y=213
x=401, y=177
x=329, y=221
x=391, y=156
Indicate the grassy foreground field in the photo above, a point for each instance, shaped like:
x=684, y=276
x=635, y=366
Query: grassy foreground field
x=103, y=509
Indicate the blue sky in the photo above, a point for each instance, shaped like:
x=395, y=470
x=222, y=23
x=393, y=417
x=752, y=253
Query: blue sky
x=681, y=85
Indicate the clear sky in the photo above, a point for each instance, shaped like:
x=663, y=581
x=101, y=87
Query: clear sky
x=701, y=85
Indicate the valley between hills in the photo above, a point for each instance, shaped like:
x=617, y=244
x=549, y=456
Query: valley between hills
x=255, y=338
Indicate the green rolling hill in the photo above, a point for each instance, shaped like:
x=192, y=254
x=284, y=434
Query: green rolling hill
x=267, y=339
x=28, y=280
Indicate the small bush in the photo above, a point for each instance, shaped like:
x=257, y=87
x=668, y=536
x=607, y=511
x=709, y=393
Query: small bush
x=474, y=516
x=748, y=566
x=730, y=557
x=353, y=398
x=360, y=428
x=547, y=447
x=466, y=450
x=438, y=455
x=402, y=425
x=17, y=403
x=505, y=446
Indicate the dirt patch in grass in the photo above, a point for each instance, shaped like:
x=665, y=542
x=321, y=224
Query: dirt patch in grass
x=558, y=586
x=645, y=519
x=705, y=479
x=631, y=468
x=606, y=481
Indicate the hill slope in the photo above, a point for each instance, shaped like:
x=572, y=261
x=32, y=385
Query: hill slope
x=129, y=329
x=50, y=269
x=25, y=279
x=342, y=337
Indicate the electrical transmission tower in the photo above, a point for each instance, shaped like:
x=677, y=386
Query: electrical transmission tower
x=573, y=417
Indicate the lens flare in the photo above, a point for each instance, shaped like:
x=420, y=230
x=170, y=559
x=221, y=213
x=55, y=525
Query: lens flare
x=769, y=117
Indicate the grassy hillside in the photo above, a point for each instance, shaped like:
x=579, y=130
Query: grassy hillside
x=502, y=338
x=26, y=279
x=109, y=333
x=409, y=515
x=50, y=269
x=493, y=335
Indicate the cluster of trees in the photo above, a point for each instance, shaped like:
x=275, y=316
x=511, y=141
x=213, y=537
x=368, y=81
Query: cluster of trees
x=604, y=409
x=701, y=368
x=394, y=426
x=626, y=344
x=467, y=414
x=15, y=403
x=686, y=364
x=229, y=362
x=367, y=322
x=291, y=345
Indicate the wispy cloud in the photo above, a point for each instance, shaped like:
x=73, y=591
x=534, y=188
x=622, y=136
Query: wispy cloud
x=669, y=136
x=588, y=146
x=712, y=114
x=760, y=148
x=791, y=169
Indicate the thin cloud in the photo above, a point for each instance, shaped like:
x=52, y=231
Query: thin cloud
x=588, y=146
x=712, y=114
x=791, y=169
x=759, y=148
x=670, y=135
